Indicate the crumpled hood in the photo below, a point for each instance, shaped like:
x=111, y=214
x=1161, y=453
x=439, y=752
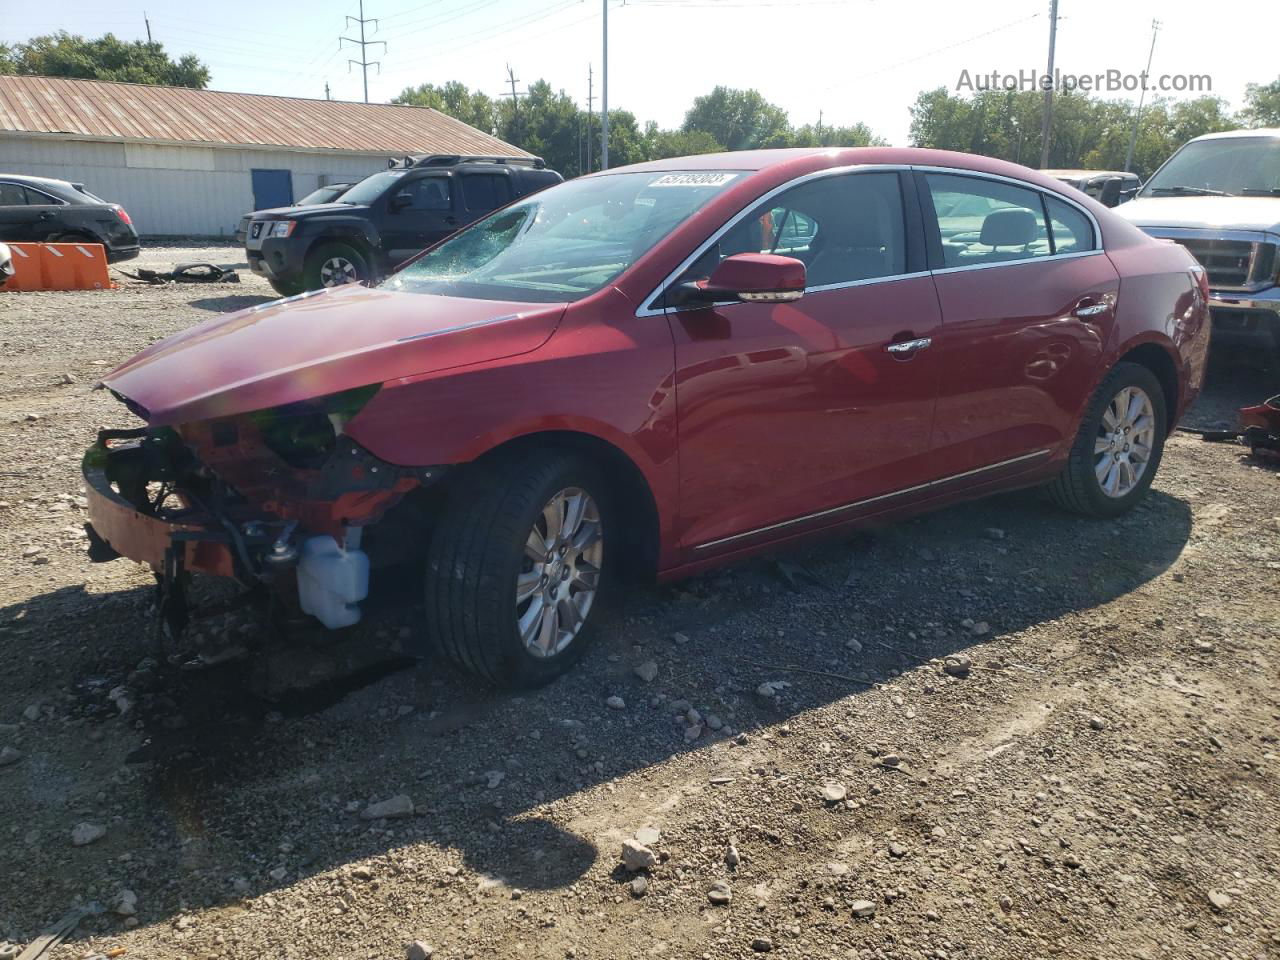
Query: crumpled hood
x=316, y=344
x=1203, y=213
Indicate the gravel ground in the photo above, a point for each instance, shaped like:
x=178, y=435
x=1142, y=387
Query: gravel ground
x=995, y=731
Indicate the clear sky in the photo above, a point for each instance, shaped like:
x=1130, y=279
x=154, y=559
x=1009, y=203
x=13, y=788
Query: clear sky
x=850, y=60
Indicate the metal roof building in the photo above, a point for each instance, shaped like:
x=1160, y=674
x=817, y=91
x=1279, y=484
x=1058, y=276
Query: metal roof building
x=190, y=162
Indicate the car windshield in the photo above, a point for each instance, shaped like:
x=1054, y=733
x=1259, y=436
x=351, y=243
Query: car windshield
x=371, y=188
x=1236, y=166
x=565, y=242
x=323, y=195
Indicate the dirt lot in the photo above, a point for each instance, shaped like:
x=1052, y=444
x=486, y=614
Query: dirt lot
x=1102, y=783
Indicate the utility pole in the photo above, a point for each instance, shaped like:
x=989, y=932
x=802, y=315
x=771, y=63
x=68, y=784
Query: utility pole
x=1047, y=122
x=604, y=95
x=364, y=63
x=148, y=23
x=591, y=102
x=1142, y=95
x=326, y=91
x=515, y=103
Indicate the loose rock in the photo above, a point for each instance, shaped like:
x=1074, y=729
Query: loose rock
x=639, y=886
x=647, y=671
x=616, y=703
x=761, y=944
x=83, y=834
x=418, y=950
x=125, y=903
x=863, y=908
x=834, y=792
x=9, y=755
x=397, y=806
x=720, y=893
x=636, y=856
x=957, y=665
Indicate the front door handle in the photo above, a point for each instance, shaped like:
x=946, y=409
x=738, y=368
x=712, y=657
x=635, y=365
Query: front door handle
x=1088, y=307
x=905, y=349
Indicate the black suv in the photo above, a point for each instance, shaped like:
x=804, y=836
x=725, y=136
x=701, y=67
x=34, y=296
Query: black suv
x=385, y=219
x=38, y=210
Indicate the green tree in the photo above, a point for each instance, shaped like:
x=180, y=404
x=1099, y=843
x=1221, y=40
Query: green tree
x=470, y=106
x=857, y=135
x=739, y=119
x=63, y=54
x=1261, y=105
x=678, y=143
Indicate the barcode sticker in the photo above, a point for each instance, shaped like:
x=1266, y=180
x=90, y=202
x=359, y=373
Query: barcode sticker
x=693, y=180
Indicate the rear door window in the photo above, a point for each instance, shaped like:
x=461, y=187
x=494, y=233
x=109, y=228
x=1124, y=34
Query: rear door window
x=1072, y=231
x=12, y=195
x=482, y=192
x=984, y=221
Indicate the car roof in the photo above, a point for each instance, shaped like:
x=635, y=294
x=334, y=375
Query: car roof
x=37, y=181
x=1089, y=173
x=1268, y=132
x=797, y=161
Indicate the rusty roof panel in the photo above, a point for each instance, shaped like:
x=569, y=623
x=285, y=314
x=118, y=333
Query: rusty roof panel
x=96, y=109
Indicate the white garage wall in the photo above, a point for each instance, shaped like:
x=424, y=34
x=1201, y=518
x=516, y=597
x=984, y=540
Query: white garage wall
x=177, y=191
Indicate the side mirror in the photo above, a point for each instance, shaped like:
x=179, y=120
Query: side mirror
x=749, y=277
x=6, y=264
x=1109, y=195
x=401, y=200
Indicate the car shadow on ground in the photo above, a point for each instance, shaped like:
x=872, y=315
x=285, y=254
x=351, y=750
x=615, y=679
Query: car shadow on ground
x=257, y=768
x=230, y=303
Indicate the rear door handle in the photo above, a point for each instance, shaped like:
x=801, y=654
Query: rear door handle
x=905, y=348
x=1089, y=307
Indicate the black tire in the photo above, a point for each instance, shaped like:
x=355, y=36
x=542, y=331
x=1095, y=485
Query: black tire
x=1077, y=487
x=323, y=260
x=72, y=237
x=286, y=288
x=478, y=550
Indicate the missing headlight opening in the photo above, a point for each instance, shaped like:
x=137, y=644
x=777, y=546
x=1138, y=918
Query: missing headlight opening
x=276, y=499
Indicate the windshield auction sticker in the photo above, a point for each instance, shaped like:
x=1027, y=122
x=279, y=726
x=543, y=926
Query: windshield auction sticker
x=693, y=180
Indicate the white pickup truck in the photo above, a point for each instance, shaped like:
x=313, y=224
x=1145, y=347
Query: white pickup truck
x=1219, y=196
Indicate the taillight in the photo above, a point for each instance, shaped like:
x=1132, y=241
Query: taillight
x=123, y=214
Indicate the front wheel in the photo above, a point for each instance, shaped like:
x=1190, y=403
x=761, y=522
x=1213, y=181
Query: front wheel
x=516, y=566
x=1118, y=449
x=335, y=265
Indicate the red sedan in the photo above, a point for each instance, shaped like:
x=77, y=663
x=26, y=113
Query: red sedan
x=657, y=369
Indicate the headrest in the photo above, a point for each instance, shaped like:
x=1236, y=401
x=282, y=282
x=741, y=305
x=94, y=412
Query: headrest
x=1013, y=227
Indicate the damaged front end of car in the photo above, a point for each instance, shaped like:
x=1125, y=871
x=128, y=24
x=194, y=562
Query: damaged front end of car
x=276, y=499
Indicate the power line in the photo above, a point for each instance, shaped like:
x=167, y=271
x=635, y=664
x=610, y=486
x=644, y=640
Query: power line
x=364, y=62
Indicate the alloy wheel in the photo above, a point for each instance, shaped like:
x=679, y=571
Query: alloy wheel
x=559, y=573
x=1123, y=446
x=337, y=271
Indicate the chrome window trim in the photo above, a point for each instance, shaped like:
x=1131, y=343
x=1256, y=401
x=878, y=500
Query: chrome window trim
x=1019, y=263
x=870, y=500
x=647, y=309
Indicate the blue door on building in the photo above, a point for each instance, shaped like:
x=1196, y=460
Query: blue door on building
x=272, y=188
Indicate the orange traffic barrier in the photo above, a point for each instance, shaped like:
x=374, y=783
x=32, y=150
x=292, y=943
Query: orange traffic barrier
x=59, y=266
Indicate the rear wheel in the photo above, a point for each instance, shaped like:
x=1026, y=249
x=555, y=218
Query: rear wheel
x=336, y=265
x=1117, y=452
x=516, y=566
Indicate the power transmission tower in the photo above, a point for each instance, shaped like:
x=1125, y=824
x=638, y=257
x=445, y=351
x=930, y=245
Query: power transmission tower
x=364, y=63
x=1142, y=95
x=604, y=95
x=1046, y=123
x=591, y=102
x=515, y=103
